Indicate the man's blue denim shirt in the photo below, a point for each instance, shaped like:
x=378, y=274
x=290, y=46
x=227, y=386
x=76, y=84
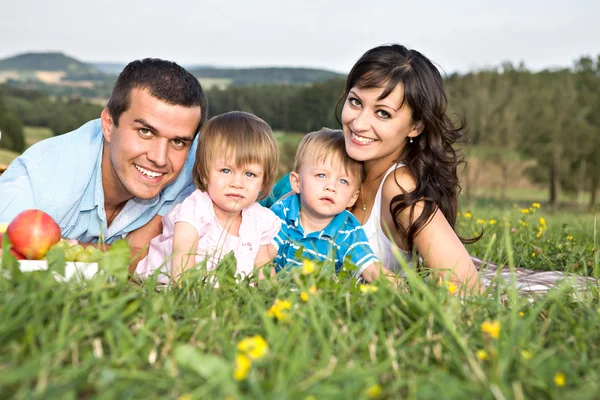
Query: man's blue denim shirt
x=62, y=176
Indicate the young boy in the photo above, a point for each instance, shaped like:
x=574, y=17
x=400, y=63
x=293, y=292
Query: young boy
x=326, y=182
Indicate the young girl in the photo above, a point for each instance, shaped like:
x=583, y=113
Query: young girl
x=236, y=164
x=395, y=121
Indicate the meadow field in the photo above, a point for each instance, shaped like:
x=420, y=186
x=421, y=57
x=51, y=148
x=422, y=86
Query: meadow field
x=309, y=335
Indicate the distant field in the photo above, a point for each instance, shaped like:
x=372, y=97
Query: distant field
x=209, y=83
x=34, y=134
x=6, y=156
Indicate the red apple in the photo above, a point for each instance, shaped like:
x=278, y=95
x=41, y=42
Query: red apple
x=32, y=233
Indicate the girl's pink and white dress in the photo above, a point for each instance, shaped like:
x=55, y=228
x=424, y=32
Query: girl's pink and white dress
x=259, y=226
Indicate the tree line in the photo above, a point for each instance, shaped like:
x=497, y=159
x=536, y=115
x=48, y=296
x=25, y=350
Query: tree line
x=551, y=116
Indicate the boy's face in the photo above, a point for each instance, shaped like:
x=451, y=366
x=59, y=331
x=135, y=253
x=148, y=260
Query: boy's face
x=326, y=189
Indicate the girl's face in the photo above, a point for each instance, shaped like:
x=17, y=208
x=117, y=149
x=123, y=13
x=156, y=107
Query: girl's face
x=376, y=130
x=231, y=187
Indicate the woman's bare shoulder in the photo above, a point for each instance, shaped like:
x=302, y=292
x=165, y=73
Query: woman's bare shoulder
x=398, y=182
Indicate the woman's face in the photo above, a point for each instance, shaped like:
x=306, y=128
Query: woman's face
x=376, y=130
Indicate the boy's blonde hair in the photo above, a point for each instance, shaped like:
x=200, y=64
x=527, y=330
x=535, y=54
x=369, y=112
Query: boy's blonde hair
x=327, y=144
x=241, y=135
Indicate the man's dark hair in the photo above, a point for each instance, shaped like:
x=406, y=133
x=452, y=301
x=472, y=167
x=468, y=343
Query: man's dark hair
x=165, y=80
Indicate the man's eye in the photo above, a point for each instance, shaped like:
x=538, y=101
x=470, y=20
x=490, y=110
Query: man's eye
x=145, y=132
x=344, y=182
x=226, y=171
x=178, y=143
x=320, y=176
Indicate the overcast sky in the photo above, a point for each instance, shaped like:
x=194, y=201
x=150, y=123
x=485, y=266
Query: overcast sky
x=458, y=35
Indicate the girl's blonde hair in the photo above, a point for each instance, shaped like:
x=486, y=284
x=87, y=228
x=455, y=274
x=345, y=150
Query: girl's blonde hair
x=327, y=144
x=243, y=136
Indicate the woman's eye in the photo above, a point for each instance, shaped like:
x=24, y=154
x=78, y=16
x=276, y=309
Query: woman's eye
x=344, y=182
x=320, y=176
x=354, y=102
x=383, y=114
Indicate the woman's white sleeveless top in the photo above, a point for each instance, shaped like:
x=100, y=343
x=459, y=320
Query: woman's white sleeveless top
x=386, y=250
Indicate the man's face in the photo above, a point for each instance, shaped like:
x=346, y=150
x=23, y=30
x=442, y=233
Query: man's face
x=148, y=148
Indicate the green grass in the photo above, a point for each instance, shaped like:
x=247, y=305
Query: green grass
x=34, y=134
x=109, y=338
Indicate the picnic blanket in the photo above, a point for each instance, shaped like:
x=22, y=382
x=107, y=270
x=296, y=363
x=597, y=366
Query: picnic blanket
x=529, y=282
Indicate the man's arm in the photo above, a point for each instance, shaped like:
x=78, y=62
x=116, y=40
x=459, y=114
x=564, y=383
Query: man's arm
x=139, y=240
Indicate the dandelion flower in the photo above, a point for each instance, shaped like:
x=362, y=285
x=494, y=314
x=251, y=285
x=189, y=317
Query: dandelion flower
x=312, y=289
x=480, y=221
x=542, y=221
x=559, y=379
x=493, y=222
x=525, y=211
x=535, y=205
x=526, y=355
x=242, y=367
x=373, y=391
x=254, y=347
x=304, y=297
x=308, y=267
x=533, y=254
x=366, y=289
x=278, y=310
x=451, y=287
x=569, y=237
x=468, y=215
x=521, y=314
x=491, y=328
x=482, y=355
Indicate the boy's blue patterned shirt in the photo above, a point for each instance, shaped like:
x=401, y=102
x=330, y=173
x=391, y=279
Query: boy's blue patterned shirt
x=342, y=239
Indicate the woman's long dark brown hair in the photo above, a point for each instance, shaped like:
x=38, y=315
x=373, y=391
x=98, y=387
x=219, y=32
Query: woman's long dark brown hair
x=430, y=158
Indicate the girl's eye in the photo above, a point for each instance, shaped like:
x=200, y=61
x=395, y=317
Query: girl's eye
x=344, y=181
x=383, y=114
x=226, y=170
x=320, y=176
x=250, y=174
x=354, y=102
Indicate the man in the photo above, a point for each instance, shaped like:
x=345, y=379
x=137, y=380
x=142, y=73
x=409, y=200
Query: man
x=116, y=176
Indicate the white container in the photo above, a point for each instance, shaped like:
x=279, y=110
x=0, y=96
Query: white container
x=77, y=270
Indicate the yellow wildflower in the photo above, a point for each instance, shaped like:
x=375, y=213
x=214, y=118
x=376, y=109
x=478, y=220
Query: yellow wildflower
x=373, y=391
x=569, y=237
x=525, y=211
x=304, y=296
x=522, y=222
x=539, y=234
x=468, y=215
x=308, y=267
x=186, y=396
x=254, y=347
x=366, y=289
x=480, y=221
x=451, y=287
x=533, y=254
x=493, y=222
x=491, y=328
x=242, y=367
x=482, y=355
x=559, y=379
x=312, y=289
x=535, y=205
x=278, y=310
x=526, y=355
x=521, y=314
x=542, y=221
x=458, y=214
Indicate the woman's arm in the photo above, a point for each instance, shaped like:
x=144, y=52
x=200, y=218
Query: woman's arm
x=185, y=242
x=436, y=243
x=266, y=254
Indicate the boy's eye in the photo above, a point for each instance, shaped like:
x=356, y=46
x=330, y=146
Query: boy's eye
x=344, y=181
x=320, y=176
x=250, y=174
x=383, y=114
x=226, y=170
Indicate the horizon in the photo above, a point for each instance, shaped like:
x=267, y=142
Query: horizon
x=460, y=36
